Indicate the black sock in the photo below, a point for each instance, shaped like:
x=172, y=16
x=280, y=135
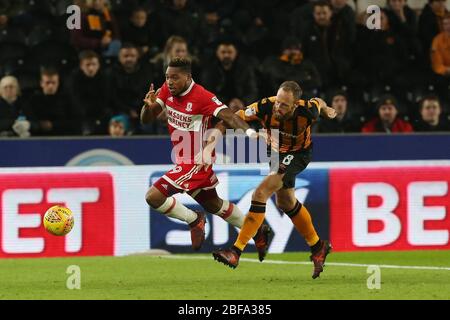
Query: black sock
x=237, y=250
x=316, y=247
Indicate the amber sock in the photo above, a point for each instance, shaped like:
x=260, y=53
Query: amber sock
x=252, y=222
x=302, y=221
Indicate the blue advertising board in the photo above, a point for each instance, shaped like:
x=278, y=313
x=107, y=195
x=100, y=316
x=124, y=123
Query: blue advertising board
x=156, y=150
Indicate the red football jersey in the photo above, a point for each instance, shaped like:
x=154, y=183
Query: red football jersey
x=188, y=118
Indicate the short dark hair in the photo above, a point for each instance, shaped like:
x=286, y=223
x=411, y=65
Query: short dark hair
x=335, y=92
x=87, y=55
x=322, y=3
x=138, y=9
x=129, y=45
x=430, y=97
x=293, y=87
x=49, y=72
x=226, y=42
x=185, y=64
x=291, y=42
x=387, y=99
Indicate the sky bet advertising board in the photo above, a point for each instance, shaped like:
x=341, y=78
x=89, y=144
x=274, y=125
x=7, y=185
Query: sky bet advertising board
x=359, y=206
x=237, y=186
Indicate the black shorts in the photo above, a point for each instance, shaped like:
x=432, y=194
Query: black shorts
x=291, y=164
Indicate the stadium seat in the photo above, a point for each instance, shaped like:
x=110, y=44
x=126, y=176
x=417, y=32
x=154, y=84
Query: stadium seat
x=376, y=92
x=51, y=53
x=122, y=8
x=12, y=66
x=12, y=36
x=108, y=61
x=11, y=52
x=39, y=35
x=29, y=82
x=61, y=33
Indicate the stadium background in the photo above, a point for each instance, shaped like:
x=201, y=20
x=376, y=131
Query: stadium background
x=104, y=180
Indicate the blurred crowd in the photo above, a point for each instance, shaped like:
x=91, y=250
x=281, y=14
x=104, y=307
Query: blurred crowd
x=91, y=81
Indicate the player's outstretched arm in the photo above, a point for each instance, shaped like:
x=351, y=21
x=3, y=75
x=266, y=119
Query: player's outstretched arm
x=328, y=113
x=325, y=111
x=232, y=120
x=151, y=108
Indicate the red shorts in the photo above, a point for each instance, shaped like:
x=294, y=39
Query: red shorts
x=186, y=178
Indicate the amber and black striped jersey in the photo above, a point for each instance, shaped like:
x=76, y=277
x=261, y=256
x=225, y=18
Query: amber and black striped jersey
x=293, y=134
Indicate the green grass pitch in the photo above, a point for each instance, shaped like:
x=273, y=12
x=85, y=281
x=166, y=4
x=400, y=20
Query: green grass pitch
x=180, y=277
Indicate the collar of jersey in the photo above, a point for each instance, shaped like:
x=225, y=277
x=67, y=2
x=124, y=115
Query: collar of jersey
x=188, y=89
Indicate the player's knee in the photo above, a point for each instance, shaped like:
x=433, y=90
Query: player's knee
x=286, y=204
x=154, y=198
x=212, y=206
x=260, y=195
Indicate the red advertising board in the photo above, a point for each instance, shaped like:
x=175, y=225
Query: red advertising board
x=395, y=208
x=24, y=198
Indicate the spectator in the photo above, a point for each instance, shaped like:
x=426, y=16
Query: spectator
x=119, y=126
x=301, y=17
x=3, y=21
x=88, y=90
x=402, y=17
x=50, y=109
x=430, y=21
x=219, y=18
x=440, y=54
x=253, y=32
x=403, y=21
x=14, y=12
x=327, y=45
x=99, y=31
x=387, y=120
x=176, y=46
x=291, y=65
x=230, y=77
x=180, y=18
x=440, y=58
x=343, y=15
x=344, y=122
x=142, y=32
x=383, y=56
x=218, y=10
x=123, y=10
x=129, y=82
x=430, y=116
x=11, y=108
x=259, y=23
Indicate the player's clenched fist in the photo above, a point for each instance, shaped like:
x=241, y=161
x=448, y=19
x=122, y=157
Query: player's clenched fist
x=328, y=112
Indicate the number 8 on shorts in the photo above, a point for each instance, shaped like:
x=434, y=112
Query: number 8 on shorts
x=288, y=159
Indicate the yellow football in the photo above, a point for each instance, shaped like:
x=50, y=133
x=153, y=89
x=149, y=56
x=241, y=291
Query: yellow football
x=58, y=220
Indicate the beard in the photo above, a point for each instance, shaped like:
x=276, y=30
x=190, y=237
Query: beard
x=227, y=63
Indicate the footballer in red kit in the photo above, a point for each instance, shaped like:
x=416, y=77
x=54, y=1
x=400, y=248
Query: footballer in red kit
x=189, y=116
x=190, y=109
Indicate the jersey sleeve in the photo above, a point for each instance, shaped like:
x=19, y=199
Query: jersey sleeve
x=163, y=95
x=256, y=111
x=211, y=104
x=314, y=107
x=309, y=109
